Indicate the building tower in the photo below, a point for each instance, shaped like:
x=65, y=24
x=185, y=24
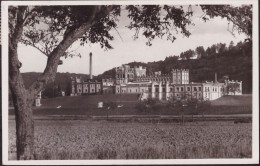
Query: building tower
x=180, y=76
x=90, y=65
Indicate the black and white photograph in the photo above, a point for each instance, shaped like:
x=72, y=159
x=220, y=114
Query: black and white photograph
x=130, y=82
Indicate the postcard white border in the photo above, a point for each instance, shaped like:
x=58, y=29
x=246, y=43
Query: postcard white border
x=255, y=91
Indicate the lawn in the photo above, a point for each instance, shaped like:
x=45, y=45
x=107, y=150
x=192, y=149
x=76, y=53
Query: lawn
x=87, y=105
x=243, y=100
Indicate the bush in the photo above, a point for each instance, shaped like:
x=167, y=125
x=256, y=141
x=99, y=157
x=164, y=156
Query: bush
x=175, y=104
x=149, y=105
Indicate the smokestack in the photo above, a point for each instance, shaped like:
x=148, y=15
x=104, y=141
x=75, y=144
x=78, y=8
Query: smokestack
x=90, y=65
x=216, y=79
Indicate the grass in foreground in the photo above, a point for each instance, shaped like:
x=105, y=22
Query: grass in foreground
x=109, y=140
x=177, y=152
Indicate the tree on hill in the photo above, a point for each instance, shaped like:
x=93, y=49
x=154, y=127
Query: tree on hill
x=221, y=48
x=88, y=24
x=187, y=54
x=200, y=51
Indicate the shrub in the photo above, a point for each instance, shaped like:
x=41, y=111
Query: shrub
x=175, y=104
x=149, y=105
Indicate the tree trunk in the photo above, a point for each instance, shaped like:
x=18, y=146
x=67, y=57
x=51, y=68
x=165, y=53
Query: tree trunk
x=24, y=127
x=22, y=98
x=23, y=110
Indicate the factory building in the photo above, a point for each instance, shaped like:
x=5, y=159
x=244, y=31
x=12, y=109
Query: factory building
x=176, y=84
x=135, y=81
x=80, y=86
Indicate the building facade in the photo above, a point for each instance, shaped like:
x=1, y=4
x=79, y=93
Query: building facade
x=80, y=87
x=176, y=85
x=135, y=81
x=125, y=73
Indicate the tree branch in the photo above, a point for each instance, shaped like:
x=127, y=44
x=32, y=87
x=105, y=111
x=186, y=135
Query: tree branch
x=54, y=57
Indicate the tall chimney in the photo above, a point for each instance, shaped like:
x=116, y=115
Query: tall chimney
x=216, y=79
x=90, y=65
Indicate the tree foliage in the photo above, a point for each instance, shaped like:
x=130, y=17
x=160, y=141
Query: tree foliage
x=200, y=51
x=176, y=104
x=240, y=17
x=154, y=23
x=187, y=54
x=149, y=105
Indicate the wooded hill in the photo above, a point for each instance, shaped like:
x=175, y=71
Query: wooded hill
x=233, y=61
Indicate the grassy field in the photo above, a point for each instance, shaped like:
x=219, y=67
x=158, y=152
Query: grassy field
x=111, y=140
x=243, y=100
x=87, y=105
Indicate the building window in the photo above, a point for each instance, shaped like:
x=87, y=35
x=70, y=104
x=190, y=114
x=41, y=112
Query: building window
x=199, y=88
x=136, y=90
x=164, y=89
x=171, y=89
x=182, y=89
x=177, y=89
x=150, y=89
x=194, y=88
x=188, y=88
x=156, y=89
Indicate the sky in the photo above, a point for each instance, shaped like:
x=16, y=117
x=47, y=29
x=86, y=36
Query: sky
x=127, y=49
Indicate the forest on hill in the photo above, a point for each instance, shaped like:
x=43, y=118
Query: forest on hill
x=234, y=61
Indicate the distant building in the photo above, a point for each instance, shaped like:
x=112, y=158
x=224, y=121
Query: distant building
x=80, y=87
x=176, y=84
x=38, y=98
x=108, y=82
x=108, y=86
x=135, y=81
x=125, y=73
